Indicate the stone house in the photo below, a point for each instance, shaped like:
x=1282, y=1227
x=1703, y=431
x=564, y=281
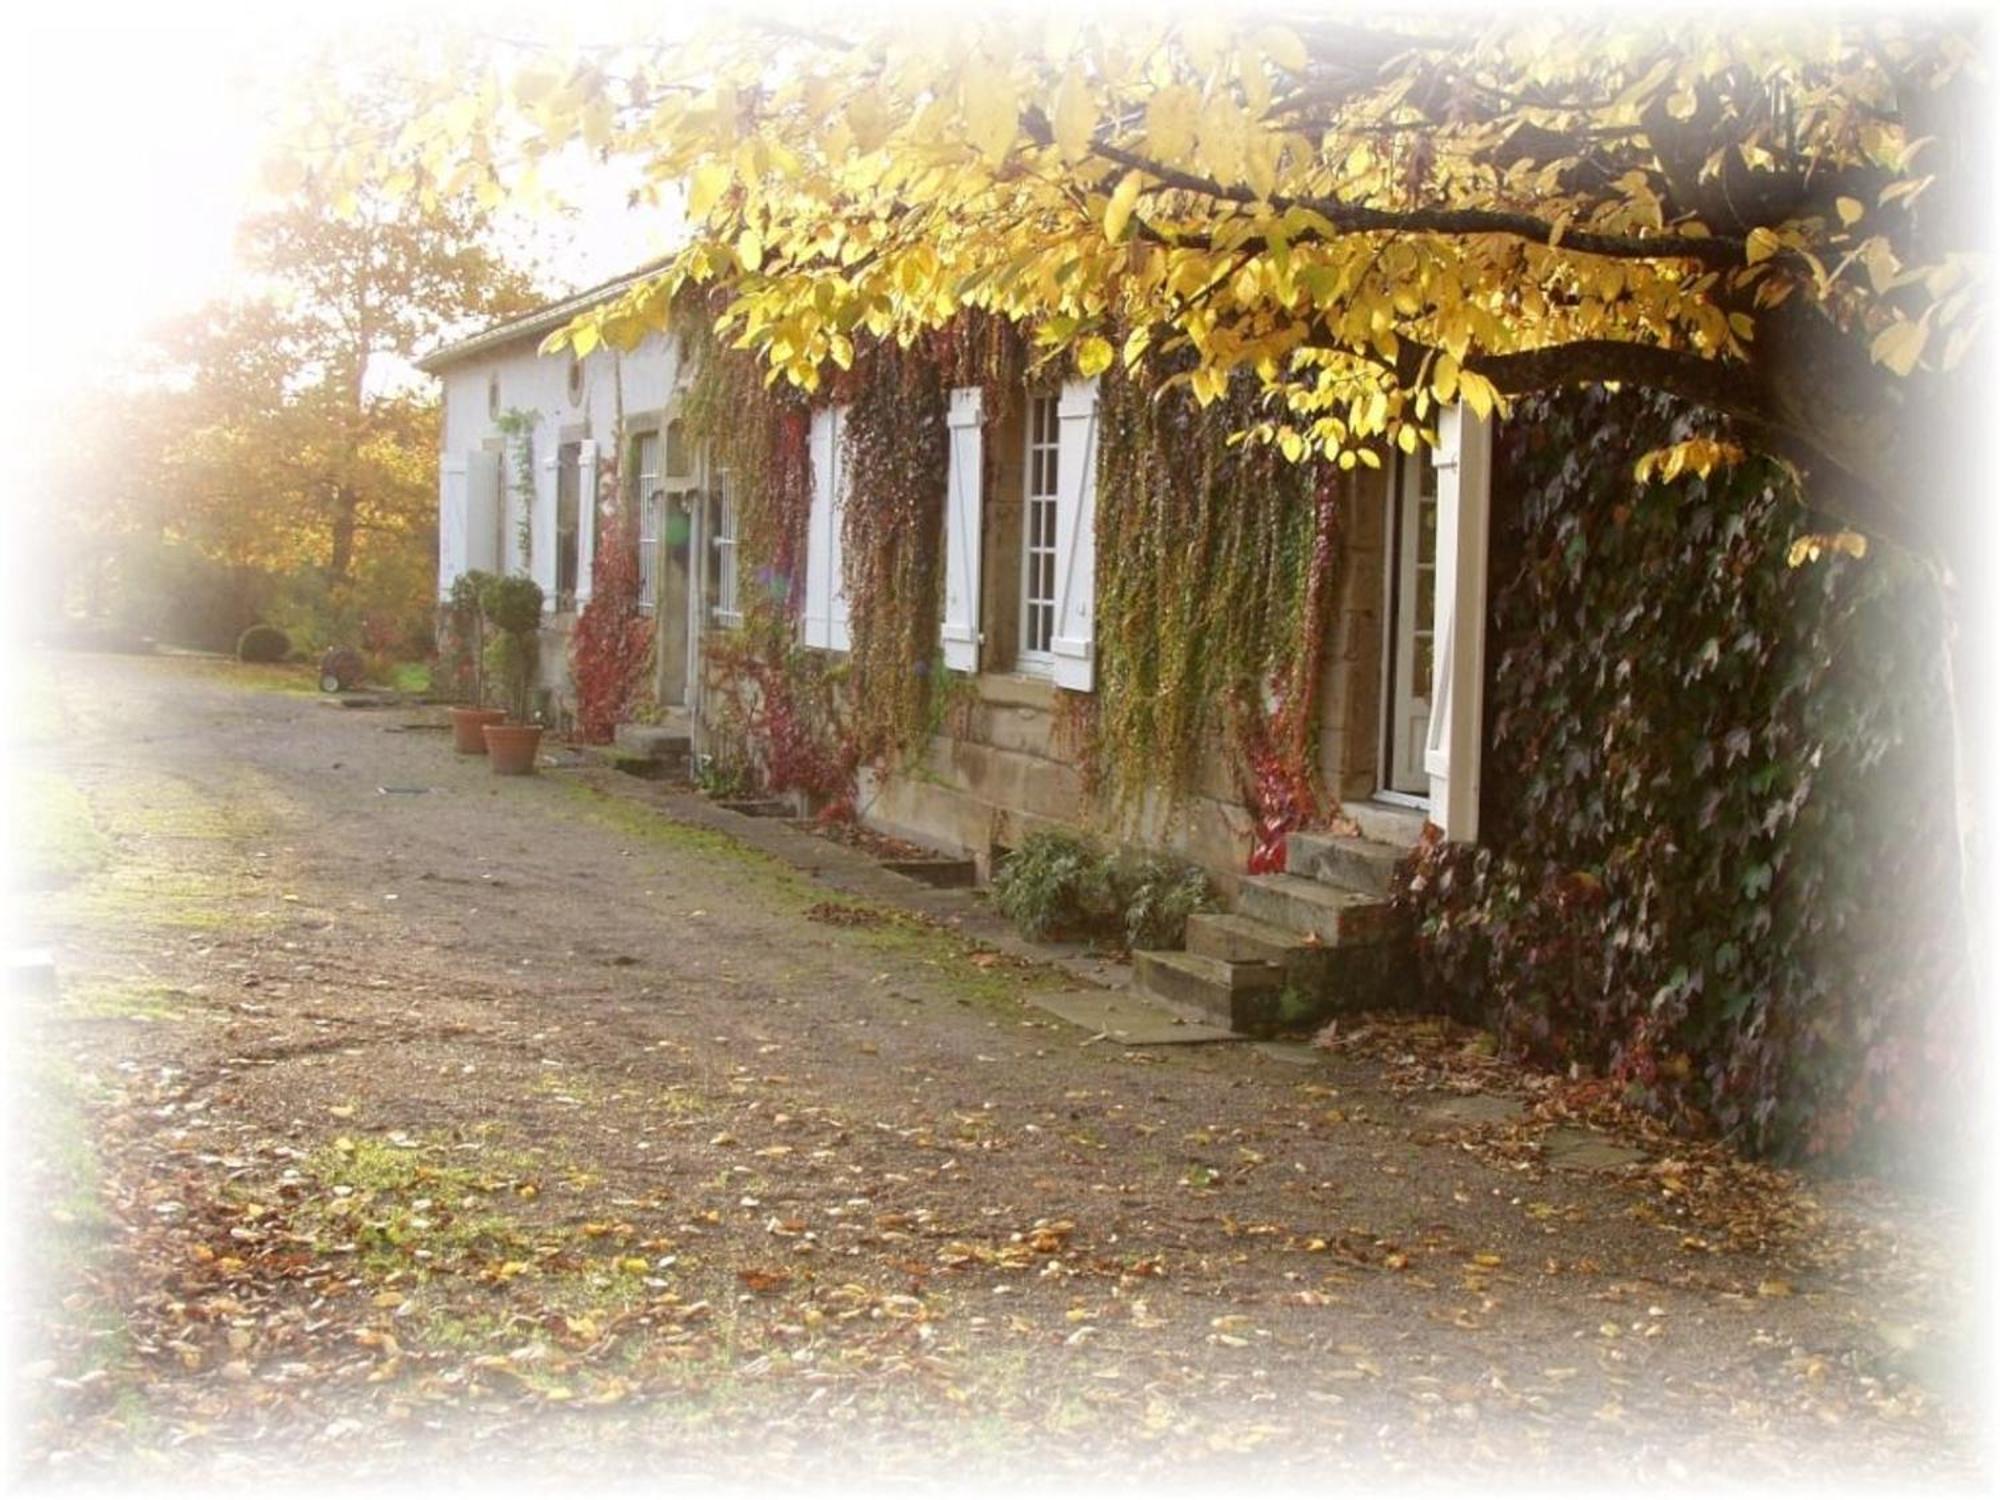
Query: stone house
x=525, y=434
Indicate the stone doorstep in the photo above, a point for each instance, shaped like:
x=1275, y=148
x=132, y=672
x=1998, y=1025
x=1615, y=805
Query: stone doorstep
x=1238, y=994
x=1339, y=918
x=654, y=741
x=1217, y=934
x=1351, y=863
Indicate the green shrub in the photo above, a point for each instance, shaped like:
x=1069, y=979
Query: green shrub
x=263, y=643
x=1055, y=885
x=512, y=604
x=1059, y=884
x=1156, y=895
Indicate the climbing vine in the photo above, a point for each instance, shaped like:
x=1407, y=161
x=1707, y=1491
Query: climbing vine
x=776, y=708
x=807, y=722
x=611, y=648
x=892, y=542
x=1210, y=625
x=1715, y=864
x=518, y=428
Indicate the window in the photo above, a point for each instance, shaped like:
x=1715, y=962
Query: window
x=651, y=498
x=679, y=466
x=575, y=381
x=568, y=496
x=722, y=554
x=1038, y=549
x=493, y=395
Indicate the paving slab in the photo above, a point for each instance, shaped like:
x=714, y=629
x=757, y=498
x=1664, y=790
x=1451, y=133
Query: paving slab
x=1127, y=1019
x=1586, y=1151
x=1474, y=1109
x=1294, y=1054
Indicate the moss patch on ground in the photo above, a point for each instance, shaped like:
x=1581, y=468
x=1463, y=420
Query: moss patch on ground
x=949, y=959
x=57, y=838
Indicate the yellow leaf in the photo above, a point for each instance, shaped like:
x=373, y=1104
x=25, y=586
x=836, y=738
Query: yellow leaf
x=991, y=116
x=1900, y=346
x=1118, y=212
x=1476, y=392
x=1444, y=377
x=1170, y=116
x=1135, y=346
x=1763, y=244
x=750, y=249
x=705, y=186
x=1075, y=116
x=1849, y=209
x=1093, y=356
x=1283, y=47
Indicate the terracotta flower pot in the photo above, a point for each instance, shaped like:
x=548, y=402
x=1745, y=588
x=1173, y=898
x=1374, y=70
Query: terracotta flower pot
x=466, y=724
x=510, y=748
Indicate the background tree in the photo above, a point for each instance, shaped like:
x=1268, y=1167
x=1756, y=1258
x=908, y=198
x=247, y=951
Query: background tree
x=301, y=389
x=275, y=456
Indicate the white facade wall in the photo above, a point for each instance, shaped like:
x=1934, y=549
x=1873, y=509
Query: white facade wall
x=539, y=383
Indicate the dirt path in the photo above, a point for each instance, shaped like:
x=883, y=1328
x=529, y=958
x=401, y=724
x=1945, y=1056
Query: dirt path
x=379, y=1130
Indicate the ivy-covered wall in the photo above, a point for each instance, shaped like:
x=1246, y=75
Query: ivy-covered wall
x=1719, y=861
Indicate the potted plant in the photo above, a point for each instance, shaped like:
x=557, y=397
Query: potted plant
x=465, y=612
x=513, y=606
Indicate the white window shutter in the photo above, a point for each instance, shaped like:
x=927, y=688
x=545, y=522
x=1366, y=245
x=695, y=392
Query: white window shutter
x=1452, y=746
x=826, y=595
x=586, y=517
x=542, y=523
x=484, y=513
x=818, y=559
x=836, y=611
x=963, y=495
x=1074, y=645
x=451, y=522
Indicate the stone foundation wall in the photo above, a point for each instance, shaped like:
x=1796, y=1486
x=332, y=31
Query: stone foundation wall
x=1002, y=768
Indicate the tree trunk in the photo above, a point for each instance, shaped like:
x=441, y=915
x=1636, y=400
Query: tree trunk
x=346, y=510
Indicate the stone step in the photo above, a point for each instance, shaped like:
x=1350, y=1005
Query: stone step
x=942, y=873
x=1221, y=934
x=1242, y=996
x=760, y=807
x=1323, y=980
x=1387, y=822
x=1353, y=863
x=1338, y=918
x=653, y=741
x=645, y=767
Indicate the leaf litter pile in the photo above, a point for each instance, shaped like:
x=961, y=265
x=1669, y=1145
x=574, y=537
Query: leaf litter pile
x=747, y=1189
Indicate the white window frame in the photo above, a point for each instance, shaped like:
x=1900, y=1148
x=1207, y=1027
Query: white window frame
x=1041, y=483
x=724, y=609
x=651, y=500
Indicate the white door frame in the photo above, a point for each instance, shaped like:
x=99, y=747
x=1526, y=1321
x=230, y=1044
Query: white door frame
x=1452, y=750
x=1406, y=699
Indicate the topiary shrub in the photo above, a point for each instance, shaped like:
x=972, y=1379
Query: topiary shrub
x=263, y=643
x=513, y=606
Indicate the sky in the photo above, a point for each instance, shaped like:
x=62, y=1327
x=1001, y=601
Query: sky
x=139, y=144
